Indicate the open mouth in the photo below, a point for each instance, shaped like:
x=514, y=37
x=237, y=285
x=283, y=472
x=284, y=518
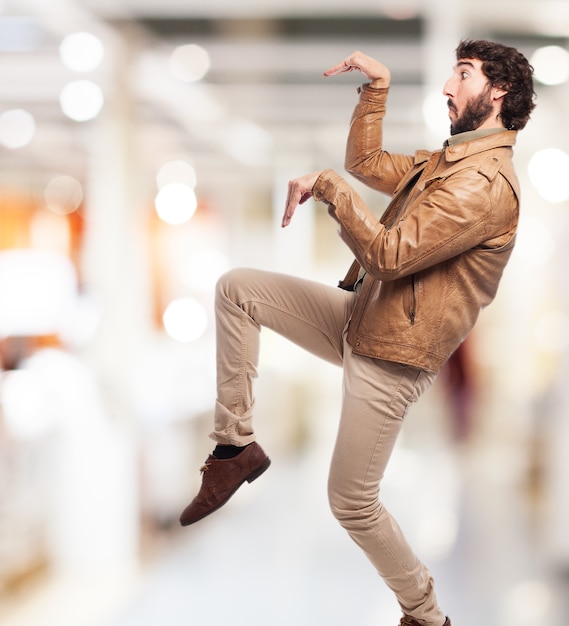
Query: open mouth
x=452, y=110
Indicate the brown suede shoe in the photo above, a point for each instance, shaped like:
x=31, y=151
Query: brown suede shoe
x=407, y=620
x=220, y=480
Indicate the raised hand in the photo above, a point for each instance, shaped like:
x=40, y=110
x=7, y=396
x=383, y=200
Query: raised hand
x=374, y=70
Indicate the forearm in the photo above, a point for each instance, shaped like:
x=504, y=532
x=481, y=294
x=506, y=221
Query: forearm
x=365, y=158
x=365, y=136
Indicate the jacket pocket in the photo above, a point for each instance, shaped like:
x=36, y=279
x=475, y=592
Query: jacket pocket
x=410, y=299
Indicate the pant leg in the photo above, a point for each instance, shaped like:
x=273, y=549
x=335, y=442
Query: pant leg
x=310, y=314
x=377, y=395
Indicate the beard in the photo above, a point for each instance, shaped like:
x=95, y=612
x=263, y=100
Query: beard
x=476, y=111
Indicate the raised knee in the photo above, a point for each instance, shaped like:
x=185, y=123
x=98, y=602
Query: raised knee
x=227, y=284
x=226, y=280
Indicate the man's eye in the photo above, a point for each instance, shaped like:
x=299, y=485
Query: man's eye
x=464, y=74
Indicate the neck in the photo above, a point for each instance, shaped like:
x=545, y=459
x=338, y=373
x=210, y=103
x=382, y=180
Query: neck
x=492, y=121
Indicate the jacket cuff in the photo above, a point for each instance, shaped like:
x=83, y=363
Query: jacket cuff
x=372, y=94
x=325, y=186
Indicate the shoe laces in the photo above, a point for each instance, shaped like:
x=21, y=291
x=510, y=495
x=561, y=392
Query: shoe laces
x=407, y=620
x=204, y=467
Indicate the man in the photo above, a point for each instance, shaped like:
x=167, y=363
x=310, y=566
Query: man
x=420, y=277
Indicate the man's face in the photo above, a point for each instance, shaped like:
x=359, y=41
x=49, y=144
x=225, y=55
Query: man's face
x=469, y=95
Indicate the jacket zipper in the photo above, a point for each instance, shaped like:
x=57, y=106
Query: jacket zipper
x=414, y=305
x=401, y=200
x=392, y=221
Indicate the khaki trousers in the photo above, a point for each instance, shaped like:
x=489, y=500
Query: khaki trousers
x=376, y=397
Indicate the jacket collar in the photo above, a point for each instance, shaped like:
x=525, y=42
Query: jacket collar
x=469, y=135
x=505, y=138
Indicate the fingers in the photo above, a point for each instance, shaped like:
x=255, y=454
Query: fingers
x=339, y=69
x=295, y=197
x=299, y=191
x=290, y=206
x=292, y=201
x=370, y=68
x=349, y=64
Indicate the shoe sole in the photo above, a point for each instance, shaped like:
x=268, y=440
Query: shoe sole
x=249, y=479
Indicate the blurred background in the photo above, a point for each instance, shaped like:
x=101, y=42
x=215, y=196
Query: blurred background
x=145, y=148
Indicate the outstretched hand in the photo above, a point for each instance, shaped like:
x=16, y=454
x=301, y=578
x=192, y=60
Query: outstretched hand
x=299, y=191
x=372, y=69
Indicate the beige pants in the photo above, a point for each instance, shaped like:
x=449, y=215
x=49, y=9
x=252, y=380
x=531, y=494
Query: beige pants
x=376, y=397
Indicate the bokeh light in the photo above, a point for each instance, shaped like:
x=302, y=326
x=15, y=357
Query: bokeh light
x=81, y=100
x=185, y=320
x=189, y=63
x=63, y=194
x=547, y=170
x=81, y=52
x=176, y=203
x=551, y=65
x=17, y=128
x=176, y=171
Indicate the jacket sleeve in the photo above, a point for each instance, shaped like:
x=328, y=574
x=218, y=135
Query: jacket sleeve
x=365, y=158
x=463, y=212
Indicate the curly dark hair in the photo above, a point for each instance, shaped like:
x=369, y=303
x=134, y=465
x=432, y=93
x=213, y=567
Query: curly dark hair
x=508, y=69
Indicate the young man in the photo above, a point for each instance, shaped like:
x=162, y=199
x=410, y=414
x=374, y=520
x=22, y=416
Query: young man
x=420, y=277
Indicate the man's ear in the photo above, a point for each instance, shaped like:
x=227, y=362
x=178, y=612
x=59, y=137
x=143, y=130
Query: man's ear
x=498, y=93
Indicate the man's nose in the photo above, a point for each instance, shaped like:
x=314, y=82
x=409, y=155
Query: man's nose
x=448, y=88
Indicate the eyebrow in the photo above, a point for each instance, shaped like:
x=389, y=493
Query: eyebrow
x=467, y=63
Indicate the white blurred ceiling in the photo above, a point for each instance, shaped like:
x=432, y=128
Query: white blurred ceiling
x=267, y=59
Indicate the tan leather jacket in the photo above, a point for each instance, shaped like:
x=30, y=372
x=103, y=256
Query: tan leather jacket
x=437, y=254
